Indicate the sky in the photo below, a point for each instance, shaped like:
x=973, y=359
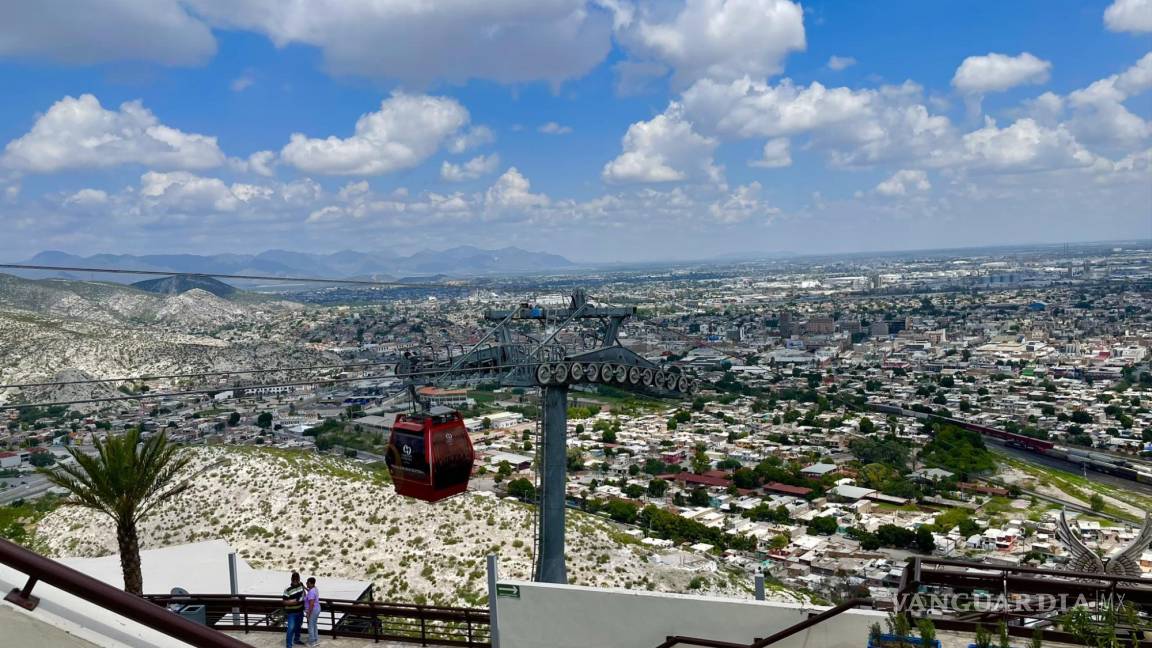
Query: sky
x=603, y=130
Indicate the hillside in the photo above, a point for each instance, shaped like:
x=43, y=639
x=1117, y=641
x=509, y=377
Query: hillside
x=177, y=284
x=48, y=326
x=334, y=517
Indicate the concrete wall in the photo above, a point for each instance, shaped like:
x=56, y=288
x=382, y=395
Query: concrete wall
x=567, y=616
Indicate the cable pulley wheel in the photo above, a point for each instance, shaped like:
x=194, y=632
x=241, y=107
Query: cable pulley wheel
x=560, y=373
x=544, y=374
x=634, y=375
x=660, y=380
x=592, y=372
x=646, y=377
x=576, y=371
x=682, y=384
x=620, y=374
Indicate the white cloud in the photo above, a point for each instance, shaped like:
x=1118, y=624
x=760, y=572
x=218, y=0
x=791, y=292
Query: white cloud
x=508, y=41
x=86, y=197
x=1024, y=145
x=552, y=128
x=475, y=137
x=720, y=39
x=858, y=126
x=242, y=82
x=746, y=108
x=406, y=131
x=838, y=63
x=88, y=32
x=184, y=191
x=664, y=149
x=637, y=77
x=511, y=191
x=261, y=163
x=80, y=133
x=892, y=125
x=998, y=72
x=777, y=154
x=477, y=167
x=742, y=204
x=1100, y=115
x=904, y=182
x=1129, y=16
x=1046, y=109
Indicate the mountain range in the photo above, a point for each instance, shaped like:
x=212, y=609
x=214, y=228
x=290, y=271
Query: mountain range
x=347, y=264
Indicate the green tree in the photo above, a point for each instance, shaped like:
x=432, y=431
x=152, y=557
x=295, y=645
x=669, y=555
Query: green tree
x=621, y=511
x=925, y=543
x=1097, y=502
x=264, y=420
x=234, y=419
x=126, y=480
x=824, y=525
x=699, y=497
x=700, y=462
x=42, y=459
x=657, y=488
x=522, y=489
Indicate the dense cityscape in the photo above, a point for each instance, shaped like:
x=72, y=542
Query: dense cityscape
x=575, y=324
x=806, y=454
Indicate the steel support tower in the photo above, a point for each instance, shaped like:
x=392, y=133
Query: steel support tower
x=547, y=364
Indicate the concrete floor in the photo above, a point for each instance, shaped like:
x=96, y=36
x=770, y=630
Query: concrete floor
x=276, y=640
x=21, y=629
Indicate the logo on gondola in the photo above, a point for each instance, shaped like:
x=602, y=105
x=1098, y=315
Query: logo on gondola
x=407, y=451
x=448, y=437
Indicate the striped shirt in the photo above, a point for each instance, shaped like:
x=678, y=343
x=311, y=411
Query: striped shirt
x=294, y=598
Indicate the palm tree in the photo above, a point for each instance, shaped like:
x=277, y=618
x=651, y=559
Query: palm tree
x=126, y=480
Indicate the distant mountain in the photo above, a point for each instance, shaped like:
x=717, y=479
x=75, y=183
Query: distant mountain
x=455, y=262
x=178, y=284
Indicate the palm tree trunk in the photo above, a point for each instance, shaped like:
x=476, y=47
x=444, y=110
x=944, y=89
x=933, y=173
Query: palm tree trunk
x=130, y=557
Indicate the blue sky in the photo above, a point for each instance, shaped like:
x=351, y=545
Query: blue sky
x=600, y=129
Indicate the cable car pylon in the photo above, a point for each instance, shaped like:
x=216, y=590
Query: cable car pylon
x=548, y=365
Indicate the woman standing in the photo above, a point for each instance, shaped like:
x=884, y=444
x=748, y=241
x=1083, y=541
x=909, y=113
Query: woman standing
x=312, y=611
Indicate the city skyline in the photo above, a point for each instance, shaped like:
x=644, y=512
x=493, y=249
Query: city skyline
x=602, y=131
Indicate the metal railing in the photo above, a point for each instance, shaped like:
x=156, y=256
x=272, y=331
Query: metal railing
x=38, y=568
x=418, y=624
x=768, y=641
x=1008, y=588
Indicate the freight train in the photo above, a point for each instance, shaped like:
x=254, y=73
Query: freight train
x=1097, y=461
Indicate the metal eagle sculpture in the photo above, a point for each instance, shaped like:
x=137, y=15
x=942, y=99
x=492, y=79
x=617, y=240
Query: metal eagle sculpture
x=1122, y=561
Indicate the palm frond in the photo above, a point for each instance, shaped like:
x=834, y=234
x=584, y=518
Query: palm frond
x=126, y=478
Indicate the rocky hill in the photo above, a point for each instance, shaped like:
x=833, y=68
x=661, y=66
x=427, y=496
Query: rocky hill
x=116, y=304
x=178, y=284
x=48, y=326
x=335, y=517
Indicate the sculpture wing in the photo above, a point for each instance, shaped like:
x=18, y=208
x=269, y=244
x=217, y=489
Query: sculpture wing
x=1081, y=558
x=1125, y=561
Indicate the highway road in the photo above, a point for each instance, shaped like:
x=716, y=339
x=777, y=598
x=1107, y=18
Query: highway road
x=24, y=487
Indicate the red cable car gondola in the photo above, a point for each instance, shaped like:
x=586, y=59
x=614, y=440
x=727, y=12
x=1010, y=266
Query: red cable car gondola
x=430, y=455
